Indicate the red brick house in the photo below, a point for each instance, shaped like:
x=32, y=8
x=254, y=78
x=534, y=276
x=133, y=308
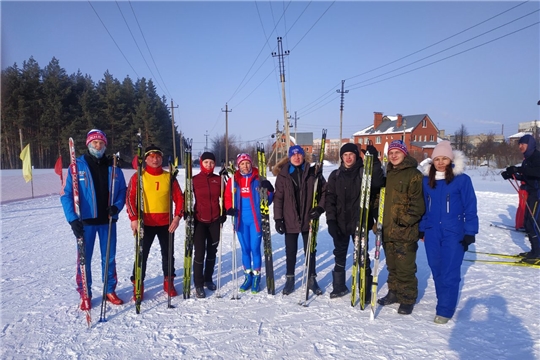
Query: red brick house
x=418, y=132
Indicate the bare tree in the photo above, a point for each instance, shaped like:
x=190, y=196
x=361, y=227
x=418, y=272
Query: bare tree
x=486, y=148
x=460, y=139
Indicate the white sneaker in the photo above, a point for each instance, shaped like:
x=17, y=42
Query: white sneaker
x=440, y=319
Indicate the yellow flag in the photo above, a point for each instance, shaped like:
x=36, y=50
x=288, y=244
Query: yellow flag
x=27, y=163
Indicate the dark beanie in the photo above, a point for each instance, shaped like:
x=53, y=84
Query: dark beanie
x=349, y=147
x=152, y=149
x=207, y=155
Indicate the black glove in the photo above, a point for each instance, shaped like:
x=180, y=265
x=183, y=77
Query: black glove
x=280, y=226
x=112, y=210
x=333, y=229
x=315, y=213
x=232, y=212
x=77, y=228
x=267, y=185
x=223, y=172
x=372, y=151
x=467, y=240
x=222, y=218
x=421, y=234
x=506, y=175
x=512, y=170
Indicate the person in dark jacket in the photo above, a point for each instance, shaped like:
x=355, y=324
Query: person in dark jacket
x=243, y=201
x=96, y=205
x=529, y=172
x=404, y=207
x=208, y=219
x=293, y=210
x=449, y=224
x=342, y=205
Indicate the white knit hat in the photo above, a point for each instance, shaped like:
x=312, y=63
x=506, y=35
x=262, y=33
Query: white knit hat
x=444, y=148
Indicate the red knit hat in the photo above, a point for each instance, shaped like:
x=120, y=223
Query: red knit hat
x=243, y=157
x=96, y=134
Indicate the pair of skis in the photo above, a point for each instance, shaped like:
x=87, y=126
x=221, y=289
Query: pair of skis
x=265, y=222
x=518, y=260
x=313, y=225
x=361, y=236
x=189, y=216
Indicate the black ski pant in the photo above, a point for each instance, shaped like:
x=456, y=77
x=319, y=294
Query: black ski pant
x=162, y=233
x=531, y=223
x=341, y=248
x=291, y=248
x=206, y=241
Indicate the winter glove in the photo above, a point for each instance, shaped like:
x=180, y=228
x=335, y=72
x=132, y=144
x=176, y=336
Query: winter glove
x=280, y=226
x=512, y=170
x=315, y=213
x=232, y=212
x=372, y=151
x=506, y=175
x=77, y=228
x=467, y=240
x=223, y=172
x=112, y=210
x=333, y=229
x=421, y=235
x=267, y=185
x=222, y=218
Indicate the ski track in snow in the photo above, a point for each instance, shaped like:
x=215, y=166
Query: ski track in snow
x=497, y=315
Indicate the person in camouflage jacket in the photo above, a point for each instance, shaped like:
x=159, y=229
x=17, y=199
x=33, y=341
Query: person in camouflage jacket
x=404, y=207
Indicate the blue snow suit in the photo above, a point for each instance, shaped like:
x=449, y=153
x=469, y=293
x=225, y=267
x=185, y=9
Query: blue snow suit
x=451, y=213
x=93, y=219
x=247, y=201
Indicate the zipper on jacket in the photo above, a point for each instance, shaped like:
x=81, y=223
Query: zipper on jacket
x=448, y=203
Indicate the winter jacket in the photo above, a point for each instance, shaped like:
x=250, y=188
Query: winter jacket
x=156, y=197
x=207, y=191
x=403, y=203
x=342, y=197
x=251, y=180
x=88, y=193
x=529, y=172
x=293, y=206
x=452, y=207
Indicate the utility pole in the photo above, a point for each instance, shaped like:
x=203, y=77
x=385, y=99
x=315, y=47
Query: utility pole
x=173, y=130
x=280, y=55
x=226, y=111
x=342, y=92
x=206, y=146
x=295, y=119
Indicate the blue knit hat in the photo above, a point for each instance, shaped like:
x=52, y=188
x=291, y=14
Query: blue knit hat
x=296, y=149
x=399, y=145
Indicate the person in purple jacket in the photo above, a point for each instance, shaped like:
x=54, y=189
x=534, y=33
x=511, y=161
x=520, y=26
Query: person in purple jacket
x=95, y=172
x=449, y=224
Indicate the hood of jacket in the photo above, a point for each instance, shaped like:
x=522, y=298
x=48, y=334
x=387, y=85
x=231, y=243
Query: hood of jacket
x=458, y=164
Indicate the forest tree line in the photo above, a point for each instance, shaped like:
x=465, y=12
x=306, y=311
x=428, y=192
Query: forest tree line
x=48, y=106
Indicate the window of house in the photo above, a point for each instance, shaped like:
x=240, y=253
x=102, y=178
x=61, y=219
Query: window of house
x=360, y=141
x=425, y=138
x=430, y=137
x=414, y=138
x=424, y=123
x=378, y=140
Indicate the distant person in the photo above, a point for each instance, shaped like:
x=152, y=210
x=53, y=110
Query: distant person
x=156, y=196
x=449, y=224
x=208, y=219
x=293, y=211
x=96, y=206
x=404, y=207
x=529, y=172
x=247, y=214
x=342, y=205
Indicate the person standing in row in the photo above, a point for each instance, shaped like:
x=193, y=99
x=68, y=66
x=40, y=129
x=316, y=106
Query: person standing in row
x=529, y=172
x=96, y=206
x=247, y=213
x=156, y=196
x=208, y=220
x=342, y=204
x=293, y=211
x=449, y=224
x=404, y=207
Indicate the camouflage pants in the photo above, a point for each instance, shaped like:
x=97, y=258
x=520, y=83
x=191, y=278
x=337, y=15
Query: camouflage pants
x=401, y=264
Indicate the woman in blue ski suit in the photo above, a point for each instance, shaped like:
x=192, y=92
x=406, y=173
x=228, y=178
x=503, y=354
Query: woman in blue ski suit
x=449, y=224
x=246, y=208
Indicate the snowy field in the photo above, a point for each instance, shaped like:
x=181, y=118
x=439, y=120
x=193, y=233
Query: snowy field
x=498, y=315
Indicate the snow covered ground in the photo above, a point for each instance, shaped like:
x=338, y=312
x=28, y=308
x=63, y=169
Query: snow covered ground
x=497, y=315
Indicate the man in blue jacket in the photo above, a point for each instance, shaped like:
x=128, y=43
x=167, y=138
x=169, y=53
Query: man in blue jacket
x=96, y=206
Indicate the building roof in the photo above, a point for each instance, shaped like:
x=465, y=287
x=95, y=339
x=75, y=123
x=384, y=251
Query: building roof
x=519, y=135
x=388, y=125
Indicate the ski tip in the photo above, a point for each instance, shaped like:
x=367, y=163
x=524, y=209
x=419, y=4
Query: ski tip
x=171, y=307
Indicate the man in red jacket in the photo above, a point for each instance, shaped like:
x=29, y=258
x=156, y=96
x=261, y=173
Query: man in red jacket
x=156, y=195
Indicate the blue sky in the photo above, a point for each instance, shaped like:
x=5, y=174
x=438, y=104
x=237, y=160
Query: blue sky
x=211, y=53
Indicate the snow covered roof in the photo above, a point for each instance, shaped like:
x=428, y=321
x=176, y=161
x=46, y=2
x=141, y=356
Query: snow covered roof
x=388, y=125
x=519, y=134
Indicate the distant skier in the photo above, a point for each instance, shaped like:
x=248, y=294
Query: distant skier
x=529, y=171
x=95, y=172
x=247, y=212
x=449, y=224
